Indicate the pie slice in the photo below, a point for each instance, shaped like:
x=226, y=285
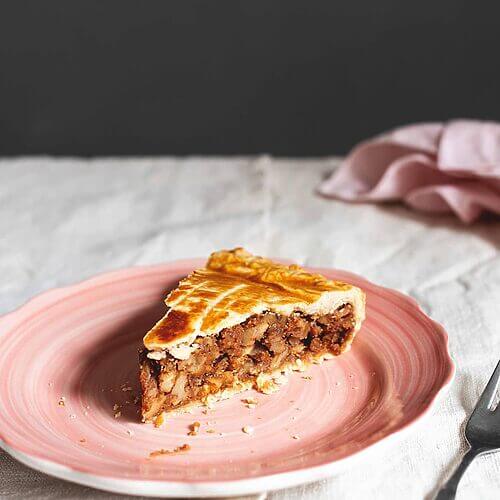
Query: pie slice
x=243, y=322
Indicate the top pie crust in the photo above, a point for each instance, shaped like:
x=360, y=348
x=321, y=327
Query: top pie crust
x=235, y=285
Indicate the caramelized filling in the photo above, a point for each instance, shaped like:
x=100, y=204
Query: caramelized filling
x=264, y=343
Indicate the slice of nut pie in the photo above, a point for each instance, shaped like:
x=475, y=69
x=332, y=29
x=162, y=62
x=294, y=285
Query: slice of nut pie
x=243, y=322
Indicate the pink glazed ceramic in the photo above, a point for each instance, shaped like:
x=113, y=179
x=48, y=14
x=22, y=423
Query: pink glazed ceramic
x=68, y=381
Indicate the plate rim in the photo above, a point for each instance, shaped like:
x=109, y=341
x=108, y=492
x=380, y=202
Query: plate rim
x=266, y=482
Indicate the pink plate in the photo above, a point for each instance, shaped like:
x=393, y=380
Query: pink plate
x=80, y=343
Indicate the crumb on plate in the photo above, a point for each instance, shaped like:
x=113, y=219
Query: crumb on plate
x=178, y=449
x=194, y=428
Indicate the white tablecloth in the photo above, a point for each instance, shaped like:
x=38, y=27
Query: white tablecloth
x=64, y=220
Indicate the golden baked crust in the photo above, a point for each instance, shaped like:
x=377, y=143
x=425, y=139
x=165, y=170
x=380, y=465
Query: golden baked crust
x=235, y=285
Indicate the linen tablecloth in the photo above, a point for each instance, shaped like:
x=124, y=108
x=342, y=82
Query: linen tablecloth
x=63, y=220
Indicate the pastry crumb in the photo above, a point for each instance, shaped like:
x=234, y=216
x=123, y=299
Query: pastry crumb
x=83, y=440
x=295, y=436
x=210, y=431
x=157, y=355
x=306, y=377
x=250, y=402
x=117, y=410
x=300, y=365
x=194, y=428
x=248, y=429
x=178, y=449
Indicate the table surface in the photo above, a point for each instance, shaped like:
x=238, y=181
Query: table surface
x=67, y=219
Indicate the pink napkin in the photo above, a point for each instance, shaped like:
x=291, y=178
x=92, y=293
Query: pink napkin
x=433, y=167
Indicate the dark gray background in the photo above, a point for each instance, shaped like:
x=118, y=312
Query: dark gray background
x=232, y=77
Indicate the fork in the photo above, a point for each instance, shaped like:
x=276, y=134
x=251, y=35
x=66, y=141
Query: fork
x=482, y=434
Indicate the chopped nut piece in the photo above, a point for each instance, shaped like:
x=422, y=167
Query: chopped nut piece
x=179, y=449
x=118, y=414
x=247, y=429
x=116, y=406
x=159, y=420
x=61, y=401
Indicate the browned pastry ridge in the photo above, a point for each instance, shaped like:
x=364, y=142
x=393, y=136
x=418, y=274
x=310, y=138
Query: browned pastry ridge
x=243, y=322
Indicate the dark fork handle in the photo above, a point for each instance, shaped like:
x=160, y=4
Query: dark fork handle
x=449, y=489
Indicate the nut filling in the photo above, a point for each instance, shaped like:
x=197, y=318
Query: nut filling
x=235, y=357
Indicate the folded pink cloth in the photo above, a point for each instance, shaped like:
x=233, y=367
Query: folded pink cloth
x=433, y=167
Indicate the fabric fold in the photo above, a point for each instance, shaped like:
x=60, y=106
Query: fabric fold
x=432, y=167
